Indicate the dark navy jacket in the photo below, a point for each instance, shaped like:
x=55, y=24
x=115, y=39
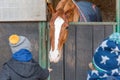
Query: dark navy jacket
x=15, y=70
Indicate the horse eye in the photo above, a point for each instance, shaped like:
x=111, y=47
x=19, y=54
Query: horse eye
x=66, y=28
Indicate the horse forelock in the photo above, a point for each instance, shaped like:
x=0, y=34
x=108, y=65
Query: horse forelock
x=59, y=12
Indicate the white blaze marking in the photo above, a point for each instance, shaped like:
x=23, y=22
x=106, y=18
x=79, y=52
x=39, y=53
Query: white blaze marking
x=58, y=24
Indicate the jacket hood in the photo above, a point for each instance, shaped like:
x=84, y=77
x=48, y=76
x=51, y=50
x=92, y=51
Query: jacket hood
x=24, y=69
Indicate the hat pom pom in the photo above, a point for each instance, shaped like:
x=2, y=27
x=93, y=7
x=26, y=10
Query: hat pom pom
x=115, y=37
x=14, y=39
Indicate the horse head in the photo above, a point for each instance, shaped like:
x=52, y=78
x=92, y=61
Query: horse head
x=65, y=12
x=58, y=35
x=69, y=8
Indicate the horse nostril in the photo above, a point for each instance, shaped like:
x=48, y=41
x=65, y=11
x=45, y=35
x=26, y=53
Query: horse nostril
x=66, y=28
x=58, y=55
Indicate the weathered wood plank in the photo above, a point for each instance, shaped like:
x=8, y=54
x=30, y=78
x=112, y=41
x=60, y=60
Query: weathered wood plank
x=70, y=54
x=98, y=36
x=100, y=33
x=22, y=10
x=108, y=30
x=57, y=73
x=83, y=50
x=93, y=23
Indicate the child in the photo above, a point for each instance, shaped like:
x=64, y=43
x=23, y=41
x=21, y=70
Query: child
x=22, y=66
x=106, y=60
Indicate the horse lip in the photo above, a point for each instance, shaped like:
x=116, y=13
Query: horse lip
x=56, y=58
x=56, y=61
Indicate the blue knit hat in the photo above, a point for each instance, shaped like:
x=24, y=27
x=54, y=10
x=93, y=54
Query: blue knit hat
x=107, y=55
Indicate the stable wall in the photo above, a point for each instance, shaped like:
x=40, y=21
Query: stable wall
x=28, y=29
x=78, y=51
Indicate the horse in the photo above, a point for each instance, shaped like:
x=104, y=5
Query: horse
x=68, y=11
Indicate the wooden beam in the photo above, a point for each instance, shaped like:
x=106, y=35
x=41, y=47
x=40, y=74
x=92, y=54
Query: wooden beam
x=117, y=29
x=43, y=57
x=93, y=23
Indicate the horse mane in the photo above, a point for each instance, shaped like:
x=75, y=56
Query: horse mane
x=61, y=5
x=50, y=8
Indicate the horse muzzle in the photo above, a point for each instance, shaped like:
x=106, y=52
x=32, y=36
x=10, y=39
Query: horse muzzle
x=54, y=56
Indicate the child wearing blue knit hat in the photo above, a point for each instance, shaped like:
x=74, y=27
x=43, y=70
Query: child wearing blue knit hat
x=22, y=66
x=105, y=64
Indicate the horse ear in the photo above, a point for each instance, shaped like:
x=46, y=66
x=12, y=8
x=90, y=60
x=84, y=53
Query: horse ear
x=61, y=4
x=50, y=8
x=76, y=15
x=71, y=12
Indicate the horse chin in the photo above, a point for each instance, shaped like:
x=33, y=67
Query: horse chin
x=57, y=59
x=54, y=56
